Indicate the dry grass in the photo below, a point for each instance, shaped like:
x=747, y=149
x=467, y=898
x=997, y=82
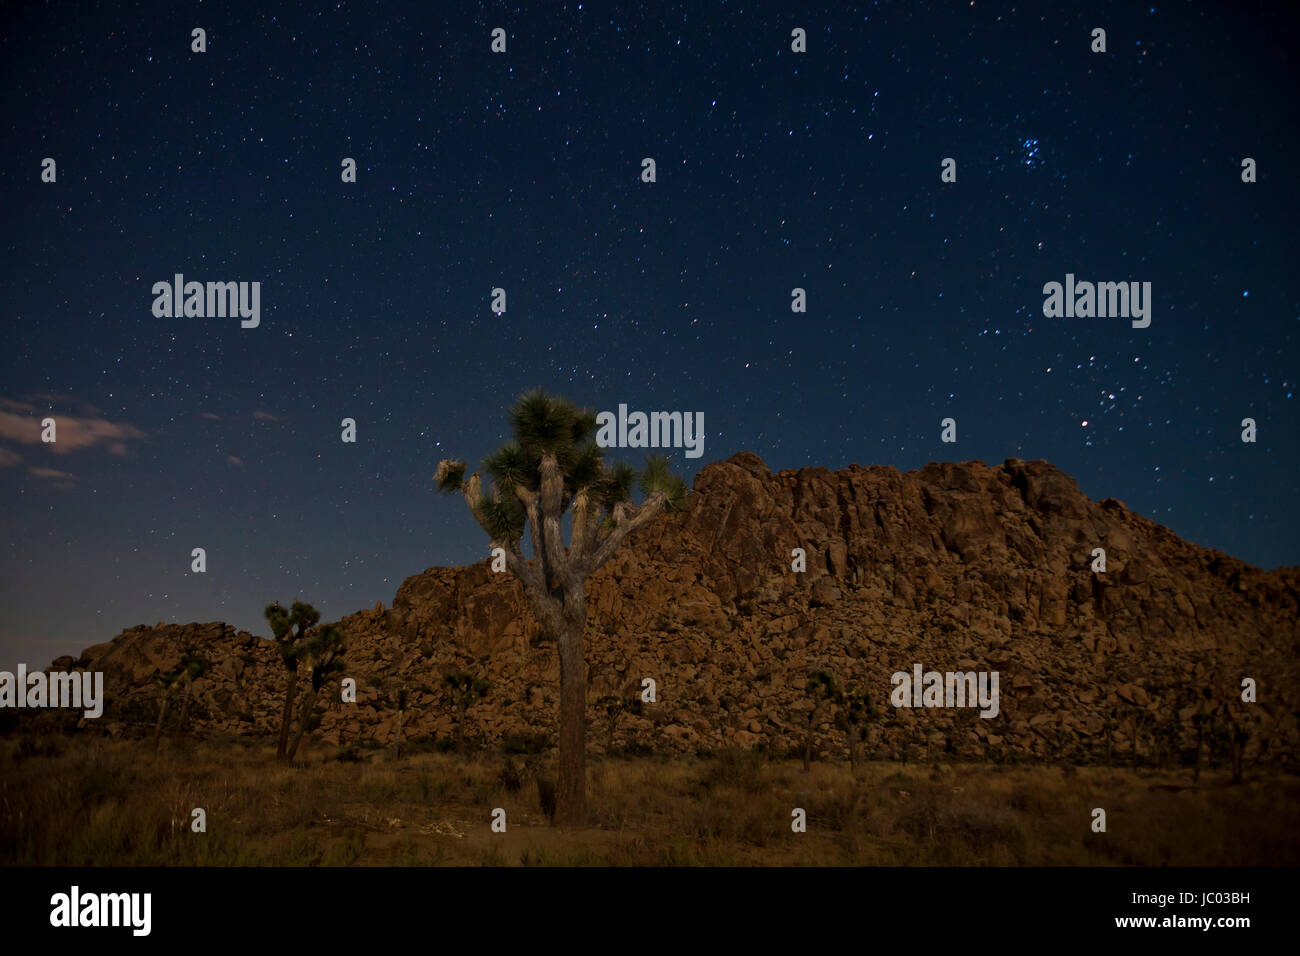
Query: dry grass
x=89, y=802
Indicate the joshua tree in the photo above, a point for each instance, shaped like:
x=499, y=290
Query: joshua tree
x=1238, y=739
x=1139, y=721
x=854, y=710
x=1201, y=721
x=323, y=652
x=166, y=683
x=192, y=668
x=401, y=716
x=465, y=689
x=823, y=692
x=292, y=630
x=615, y=706
x=554, y=465
x=1169, y=735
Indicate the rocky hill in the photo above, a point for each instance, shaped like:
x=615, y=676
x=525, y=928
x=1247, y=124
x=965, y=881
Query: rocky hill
x=955, y=567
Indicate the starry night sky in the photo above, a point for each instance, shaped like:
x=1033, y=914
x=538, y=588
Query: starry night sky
x=522, y=170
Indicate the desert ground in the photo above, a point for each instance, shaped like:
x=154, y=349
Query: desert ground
x=76, y=801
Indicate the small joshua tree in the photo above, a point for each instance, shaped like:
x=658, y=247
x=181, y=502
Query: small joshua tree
x=614, y=707
x=465, y=690
x=1168, y=736
x=554, y=468
x=854, y=710
x=822, y=690
x=401, y=717
x=192, y=668
x=1238, y=740
x=1201, y=721
x=323, y=653
x=292, y=630
x=166, y=682
x=1133, y=720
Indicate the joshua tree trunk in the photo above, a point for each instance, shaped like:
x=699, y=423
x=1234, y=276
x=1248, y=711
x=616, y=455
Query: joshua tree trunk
x=308, y=706
x=185, y=705
x=1237, y=750
x=397, y=736
x=157, y=730
x=571, y=789
x=287, y=716
x=853, y=747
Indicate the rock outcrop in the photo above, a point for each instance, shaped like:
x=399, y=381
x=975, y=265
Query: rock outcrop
x=958, y=567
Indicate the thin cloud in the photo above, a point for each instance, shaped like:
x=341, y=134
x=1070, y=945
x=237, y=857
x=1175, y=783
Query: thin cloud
x=235, y=460
x=210, y=416
x=60, y=479
x=21, y=422
x=262, y=416
x=51, y=401
x=9, y=458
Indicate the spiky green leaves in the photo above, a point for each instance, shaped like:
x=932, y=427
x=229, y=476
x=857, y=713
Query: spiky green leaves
x=513, y=467
x=302, y=616
x=616, y=484
x=278, y=618
x=547, y=425
x=193, y=666
x=450, y=476
x=465, y=687
x=856, y=706
x=658, y=476
x=821, y=686
x=585, y=470
x=503, y=518
x=324, y=649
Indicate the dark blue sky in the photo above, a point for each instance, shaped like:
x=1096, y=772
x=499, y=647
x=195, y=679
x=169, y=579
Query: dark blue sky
x=521, y=170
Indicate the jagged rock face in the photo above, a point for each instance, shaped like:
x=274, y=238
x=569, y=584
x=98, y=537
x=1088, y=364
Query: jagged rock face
x=958, y=566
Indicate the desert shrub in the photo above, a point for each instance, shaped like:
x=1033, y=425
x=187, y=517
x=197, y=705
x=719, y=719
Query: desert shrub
x=735, y=767
x=516, y=744
x=546, y=796
x=428, y=744
x=838, y=811
x=347, y=850
x=635, y=748
x=512, y=777
x=39, y=747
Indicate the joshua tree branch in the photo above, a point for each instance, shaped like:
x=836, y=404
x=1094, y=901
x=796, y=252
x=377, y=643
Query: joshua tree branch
x=529, y=500
x=580, y=540
x=552, y=502
x=627, y=518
